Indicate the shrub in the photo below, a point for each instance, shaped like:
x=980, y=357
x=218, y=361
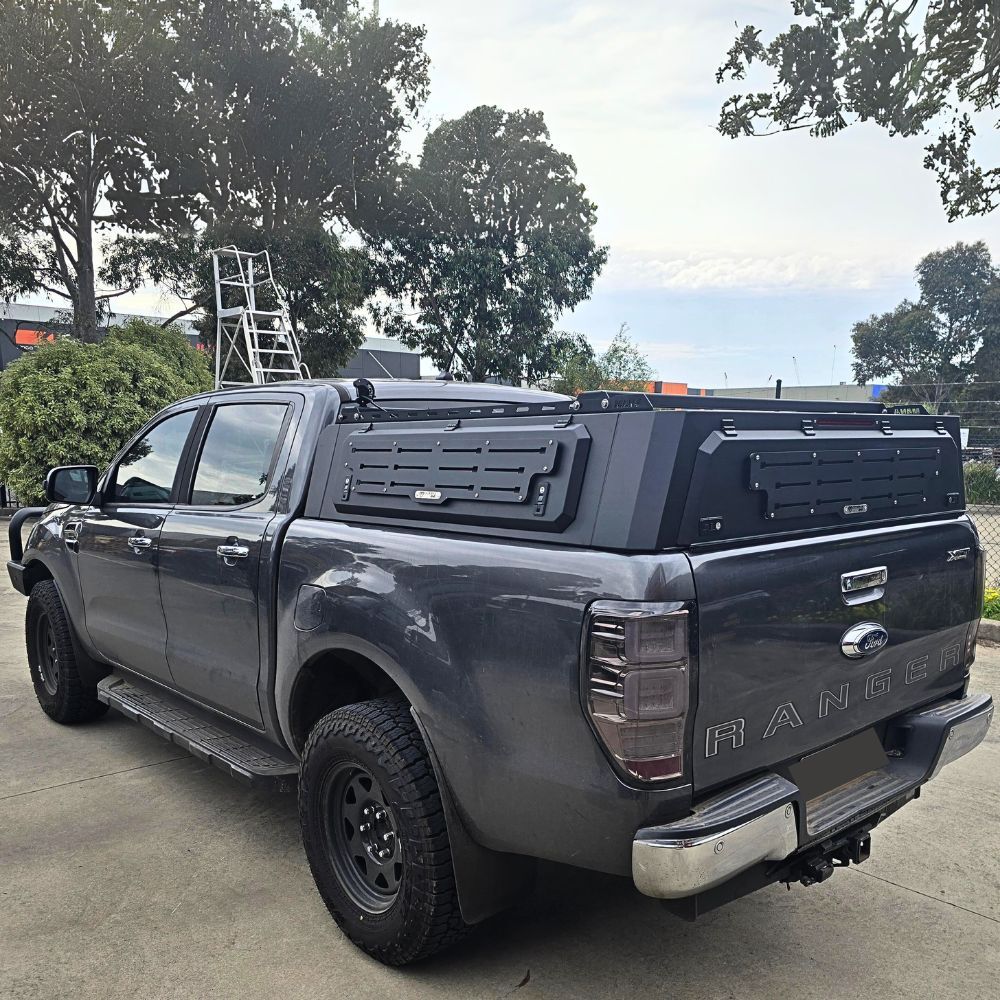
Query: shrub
x=70, y=403
x=981, y=483
x=991, y=603
x=171, y=346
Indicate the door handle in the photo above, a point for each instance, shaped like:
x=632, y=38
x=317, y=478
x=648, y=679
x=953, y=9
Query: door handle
x=139, y=543
x=230, y=553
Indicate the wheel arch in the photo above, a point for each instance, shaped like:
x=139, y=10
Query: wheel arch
x=91, y=668
x=487, y=881
x=330, y=679
x=35, y=571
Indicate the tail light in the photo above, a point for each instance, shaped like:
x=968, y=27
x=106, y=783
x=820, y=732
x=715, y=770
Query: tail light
x=637, y=681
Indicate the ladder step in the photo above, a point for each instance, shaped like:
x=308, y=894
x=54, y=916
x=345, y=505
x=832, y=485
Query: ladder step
x=214, y=740
x=263, y=339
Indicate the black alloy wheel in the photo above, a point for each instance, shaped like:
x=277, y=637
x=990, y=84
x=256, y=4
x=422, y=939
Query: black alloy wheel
x=374, y=831
x=63, y=693
x=48, y=654
x=362, y=838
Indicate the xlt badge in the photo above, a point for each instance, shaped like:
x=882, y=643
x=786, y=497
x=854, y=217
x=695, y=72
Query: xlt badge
x=863, y=639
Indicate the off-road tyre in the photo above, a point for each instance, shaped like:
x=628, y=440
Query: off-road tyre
x=377, y=743
x=59, y=688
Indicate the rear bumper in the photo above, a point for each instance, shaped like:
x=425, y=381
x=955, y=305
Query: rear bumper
x=766, y=820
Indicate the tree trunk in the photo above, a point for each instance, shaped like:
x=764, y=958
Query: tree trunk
x=85, y=306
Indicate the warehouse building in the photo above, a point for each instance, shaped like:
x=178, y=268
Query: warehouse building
x=23, y=327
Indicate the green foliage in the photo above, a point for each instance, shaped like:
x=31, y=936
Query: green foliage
x=991, y=603
x=981, y=483
x=490, y=240
x=326, y=283
x=296, y=116
x=189, y=366
x=908, y=67
x=70, y=403
x=146, y=117
x=92, y=105
x=945, y=337
x=622, y=367
x=577, y=368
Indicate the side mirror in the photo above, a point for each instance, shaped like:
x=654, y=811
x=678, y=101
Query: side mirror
x=71, y=484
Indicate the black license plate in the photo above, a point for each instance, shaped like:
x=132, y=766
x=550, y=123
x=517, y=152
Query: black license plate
x=827, y=769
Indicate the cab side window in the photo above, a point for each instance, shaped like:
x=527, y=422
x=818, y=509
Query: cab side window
x=237, y=455
x=146, y=472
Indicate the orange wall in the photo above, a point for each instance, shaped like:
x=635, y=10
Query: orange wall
x=672, y=388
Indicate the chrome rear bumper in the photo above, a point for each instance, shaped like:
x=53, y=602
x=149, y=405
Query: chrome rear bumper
x=765, y=819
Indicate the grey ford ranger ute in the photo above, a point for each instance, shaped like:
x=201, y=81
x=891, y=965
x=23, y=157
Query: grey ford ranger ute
x=707, y=644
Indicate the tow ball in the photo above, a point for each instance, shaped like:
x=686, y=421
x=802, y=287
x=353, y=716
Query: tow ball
x=819, y=866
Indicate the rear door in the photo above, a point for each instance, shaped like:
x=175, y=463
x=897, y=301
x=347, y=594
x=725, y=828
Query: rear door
x=210, y=555
x=774, y=682
x=118, y=548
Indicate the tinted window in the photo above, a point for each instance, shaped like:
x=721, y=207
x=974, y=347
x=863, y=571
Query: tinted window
x=236, y=458
x=146, y=473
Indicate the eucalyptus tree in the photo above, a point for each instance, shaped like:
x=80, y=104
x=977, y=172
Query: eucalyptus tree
x=912, y=67
x=295, y=116
x=938, y=347
x=490, y=240
x=91, y=126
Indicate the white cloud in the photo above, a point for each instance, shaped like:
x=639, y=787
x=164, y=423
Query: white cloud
x=629, y=90
x=721, y=271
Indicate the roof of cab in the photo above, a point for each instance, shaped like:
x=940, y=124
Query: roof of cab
x=416, y=390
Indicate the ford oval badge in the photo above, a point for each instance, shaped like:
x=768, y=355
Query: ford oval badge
x=863, y=639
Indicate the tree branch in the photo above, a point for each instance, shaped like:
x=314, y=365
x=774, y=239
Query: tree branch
x=184, y=312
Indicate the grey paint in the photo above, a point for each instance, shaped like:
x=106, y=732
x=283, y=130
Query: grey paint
x=484, y=638
x=771, y=618
x=484, y=635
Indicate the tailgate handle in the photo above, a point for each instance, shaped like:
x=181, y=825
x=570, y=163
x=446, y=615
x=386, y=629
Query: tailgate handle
x=864, y=585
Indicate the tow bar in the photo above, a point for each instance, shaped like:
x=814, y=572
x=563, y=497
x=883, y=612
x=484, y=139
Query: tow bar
x=819, y=864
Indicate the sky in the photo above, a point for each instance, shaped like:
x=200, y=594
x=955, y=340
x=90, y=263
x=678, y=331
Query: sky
x=732, y=262
x=727, y=258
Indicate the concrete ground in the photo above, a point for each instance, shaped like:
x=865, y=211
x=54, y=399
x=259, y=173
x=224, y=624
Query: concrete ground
x=128, y=869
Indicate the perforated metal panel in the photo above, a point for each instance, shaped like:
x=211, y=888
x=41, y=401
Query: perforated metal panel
x=498, y=475
x=847, y=482
x=435, y=468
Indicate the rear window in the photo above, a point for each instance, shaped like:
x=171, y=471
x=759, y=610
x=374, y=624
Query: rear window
x=236, y=459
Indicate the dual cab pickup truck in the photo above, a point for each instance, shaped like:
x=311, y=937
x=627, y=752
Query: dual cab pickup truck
x=707, y=644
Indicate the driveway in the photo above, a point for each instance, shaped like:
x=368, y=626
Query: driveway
x=128, y=869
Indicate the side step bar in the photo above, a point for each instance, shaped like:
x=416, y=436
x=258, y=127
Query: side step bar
x=227, y=745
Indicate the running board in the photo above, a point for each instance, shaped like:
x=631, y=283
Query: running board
x=227, y=745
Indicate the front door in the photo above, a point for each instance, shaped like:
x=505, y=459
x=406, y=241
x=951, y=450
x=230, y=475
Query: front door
x=210, y=555
x=117, y=546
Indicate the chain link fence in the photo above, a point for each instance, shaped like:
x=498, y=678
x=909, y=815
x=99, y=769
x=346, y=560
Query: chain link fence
x=980, y=423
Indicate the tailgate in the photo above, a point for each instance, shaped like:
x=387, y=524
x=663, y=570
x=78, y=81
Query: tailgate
x=773, y=681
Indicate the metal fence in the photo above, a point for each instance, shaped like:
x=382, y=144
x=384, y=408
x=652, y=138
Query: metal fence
x=980, y=422
x=7, y=498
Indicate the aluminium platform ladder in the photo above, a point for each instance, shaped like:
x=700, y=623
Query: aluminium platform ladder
x=254, y=344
